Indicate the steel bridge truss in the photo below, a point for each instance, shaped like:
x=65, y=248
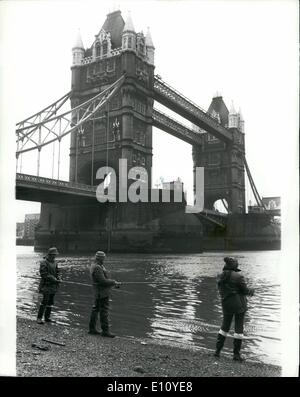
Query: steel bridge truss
x=46, y=127
x=171, y=98
x=173, y=127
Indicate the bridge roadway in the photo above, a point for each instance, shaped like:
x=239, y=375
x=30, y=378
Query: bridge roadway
x=177, y=102
x=47, y=190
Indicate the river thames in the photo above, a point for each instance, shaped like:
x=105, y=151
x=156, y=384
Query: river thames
x=172, y=298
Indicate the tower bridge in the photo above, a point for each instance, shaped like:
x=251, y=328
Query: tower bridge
x=111, y=118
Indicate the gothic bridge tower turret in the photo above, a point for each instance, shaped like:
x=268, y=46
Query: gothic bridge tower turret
x=123, y=129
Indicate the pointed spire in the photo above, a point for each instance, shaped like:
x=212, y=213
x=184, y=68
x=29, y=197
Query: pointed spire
x=217, y=94
x=78, y=42
x=232, y=109
x=149, y=42
x=241, y=116
x=128, y=24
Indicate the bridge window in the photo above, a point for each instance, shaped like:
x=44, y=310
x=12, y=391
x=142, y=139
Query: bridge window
x=141, y=46
x=115, y=102
x=212, y=139
x=110, y=65
x=214, y=177
x=214, y=159
x=139, y=137
x=102, y=67
x=97, y=49
x=139, y=65
x=140, y=106
x=104, y=48
x=90, y=71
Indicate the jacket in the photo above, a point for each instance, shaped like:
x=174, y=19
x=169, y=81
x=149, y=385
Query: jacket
x=101, y=283
x=233, y=290
x=49, y=277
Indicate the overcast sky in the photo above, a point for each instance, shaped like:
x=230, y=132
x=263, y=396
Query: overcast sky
x=246, y=50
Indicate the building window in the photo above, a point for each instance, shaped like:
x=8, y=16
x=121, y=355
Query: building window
x=97, y=68
x=212, y=138
x=141, y=47
x=214, y=159
x=115, y=102
x=102, y=67
x=140, y=137
x=104, y=49
x=97, y=49
x=139, y=106
x=110, y=65
x=129, y=42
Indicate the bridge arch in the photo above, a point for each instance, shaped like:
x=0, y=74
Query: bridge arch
x=221, y=205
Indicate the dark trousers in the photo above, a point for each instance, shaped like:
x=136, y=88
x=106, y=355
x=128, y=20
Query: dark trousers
x=225, y=327
x=238, y=322
x=46, y=306
x=101, y=307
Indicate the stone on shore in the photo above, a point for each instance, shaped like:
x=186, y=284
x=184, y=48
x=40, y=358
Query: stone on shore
x=94, y=356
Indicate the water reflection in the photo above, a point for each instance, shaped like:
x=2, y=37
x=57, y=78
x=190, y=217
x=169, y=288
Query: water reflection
x=169, y=297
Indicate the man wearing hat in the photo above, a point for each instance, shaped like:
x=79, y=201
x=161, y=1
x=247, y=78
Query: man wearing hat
x=233, y=290
x=48, y=285
x=102, y=286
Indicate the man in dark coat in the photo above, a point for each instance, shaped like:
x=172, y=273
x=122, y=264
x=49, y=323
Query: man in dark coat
x=233, y=290
x=102, y=286
x=48, y=285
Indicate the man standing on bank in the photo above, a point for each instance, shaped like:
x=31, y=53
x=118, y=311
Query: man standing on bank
x=233, y=290
x=48, y=285
x=102, y=286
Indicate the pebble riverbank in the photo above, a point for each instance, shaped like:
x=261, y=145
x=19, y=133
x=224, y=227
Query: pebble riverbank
x=95, y=356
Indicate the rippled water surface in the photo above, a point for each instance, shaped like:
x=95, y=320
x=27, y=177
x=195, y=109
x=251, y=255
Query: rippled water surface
x=168, y=297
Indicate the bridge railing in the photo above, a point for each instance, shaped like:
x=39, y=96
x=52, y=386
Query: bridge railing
x=54, y=182
x=177, y=98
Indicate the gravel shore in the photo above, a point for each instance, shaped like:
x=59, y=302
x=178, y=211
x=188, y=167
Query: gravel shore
x=95, y=356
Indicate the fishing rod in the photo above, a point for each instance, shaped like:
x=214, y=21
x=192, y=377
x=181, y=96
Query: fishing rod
x=89, y=285
x=123, y=282
x=265, y=286
x=140, y=282
x=67, y=282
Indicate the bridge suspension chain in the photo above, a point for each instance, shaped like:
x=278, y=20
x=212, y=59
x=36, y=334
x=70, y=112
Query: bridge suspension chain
x=253, y=187
x=52, y=129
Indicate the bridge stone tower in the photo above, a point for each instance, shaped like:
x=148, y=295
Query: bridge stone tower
x=223, y=162
x=121, y=130
x=124, y=128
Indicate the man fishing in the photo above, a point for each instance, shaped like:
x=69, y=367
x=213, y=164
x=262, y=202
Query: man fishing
x=48, y=285
x=102, y=287
x=233, y=290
